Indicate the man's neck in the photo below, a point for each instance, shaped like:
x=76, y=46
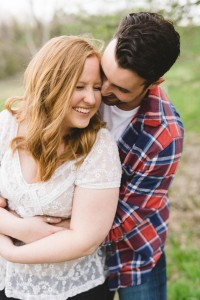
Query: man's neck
x=130, y=105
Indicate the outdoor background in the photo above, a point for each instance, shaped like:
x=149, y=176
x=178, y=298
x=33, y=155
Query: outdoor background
x=24, y=27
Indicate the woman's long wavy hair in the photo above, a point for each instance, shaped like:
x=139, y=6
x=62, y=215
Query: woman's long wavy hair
x=50, y=80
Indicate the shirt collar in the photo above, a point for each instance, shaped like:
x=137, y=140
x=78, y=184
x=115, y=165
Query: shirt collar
x=151, y=107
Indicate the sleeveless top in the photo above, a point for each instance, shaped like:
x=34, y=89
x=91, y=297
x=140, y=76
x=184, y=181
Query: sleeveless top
x=56, y=281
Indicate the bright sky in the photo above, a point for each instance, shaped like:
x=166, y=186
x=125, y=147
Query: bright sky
x=45, y=8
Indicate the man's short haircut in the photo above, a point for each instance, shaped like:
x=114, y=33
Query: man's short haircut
x=147, y=44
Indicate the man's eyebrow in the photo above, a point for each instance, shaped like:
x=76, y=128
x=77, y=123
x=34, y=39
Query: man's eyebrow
x=122, y=89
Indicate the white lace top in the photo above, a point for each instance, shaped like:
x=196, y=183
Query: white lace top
x=101, y=169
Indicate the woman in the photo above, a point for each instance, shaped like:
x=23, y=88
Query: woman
x=55, y=149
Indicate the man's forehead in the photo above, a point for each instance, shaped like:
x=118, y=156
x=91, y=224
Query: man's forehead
x=110, y=48
x=122, y=78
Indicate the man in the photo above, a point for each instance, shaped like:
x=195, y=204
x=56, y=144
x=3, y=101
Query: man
x=149, y=134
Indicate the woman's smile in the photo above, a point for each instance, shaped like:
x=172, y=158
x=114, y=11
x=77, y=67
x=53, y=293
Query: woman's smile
x=82, y=110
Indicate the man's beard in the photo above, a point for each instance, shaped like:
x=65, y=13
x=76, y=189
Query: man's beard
x=110, y=100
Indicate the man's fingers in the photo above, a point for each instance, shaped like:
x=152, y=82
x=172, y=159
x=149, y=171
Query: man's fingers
x=65, y=224
x=53, y=220
x=3, y=202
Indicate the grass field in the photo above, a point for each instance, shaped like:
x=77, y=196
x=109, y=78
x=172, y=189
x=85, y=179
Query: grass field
x=183, y=255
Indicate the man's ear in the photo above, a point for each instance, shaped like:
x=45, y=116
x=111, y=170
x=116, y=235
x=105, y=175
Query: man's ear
x=159, y=81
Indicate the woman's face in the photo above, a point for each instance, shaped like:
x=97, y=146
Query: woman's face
x=86, y=98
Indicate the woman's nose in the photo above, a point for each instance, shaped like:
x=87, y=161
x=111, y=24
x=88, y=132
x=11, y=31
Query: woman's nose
x=90, y=97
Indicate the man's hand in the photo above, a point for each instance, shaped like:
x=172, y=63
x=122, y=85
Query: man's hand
x=3, y=202
x=64, y=223
x=36, y=228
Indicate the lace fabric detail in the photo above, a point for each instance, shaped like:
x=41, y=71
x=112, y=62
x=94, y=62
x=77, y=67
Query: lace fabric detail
x=54, y=281
x=101, y=169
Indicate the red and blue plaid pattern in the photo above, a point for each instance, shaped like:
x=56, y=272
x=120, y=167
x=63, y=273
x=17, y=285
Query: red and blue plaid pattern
x=150, y=149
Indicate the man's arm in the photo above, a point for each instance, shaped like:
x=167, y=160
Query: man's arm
x=143, y=195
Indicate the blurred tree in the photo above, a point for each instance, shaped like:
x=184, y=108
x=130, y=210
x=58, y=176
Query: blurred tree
x=36, y=31
x=183, y=12
x=18, y=41
x=13, y=49
x=179, y=11
x=98, y=26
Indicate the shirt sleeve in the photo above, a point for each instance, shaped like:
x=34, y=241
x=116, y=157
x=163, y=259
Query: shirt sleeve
x=102, y=168
x=143, y=203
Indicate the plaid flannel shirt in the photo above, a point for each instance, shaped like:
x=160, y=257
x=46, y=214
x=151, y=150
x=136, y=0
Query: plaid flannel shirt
x=150, y=149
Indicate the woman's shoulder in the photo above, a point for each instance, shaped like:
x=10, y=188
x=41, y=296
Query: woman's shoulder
x=5, y=115
x=104, y=135
x=105, y=146
x=7, y=124
x=101, y=168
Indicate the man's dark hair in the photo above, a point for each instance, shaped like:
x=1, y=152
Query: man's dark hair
x=147, y=44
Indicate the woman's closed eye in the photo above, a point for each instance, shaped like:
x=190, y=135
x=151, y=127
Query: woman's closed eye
x=79, y=87
x=97, y=88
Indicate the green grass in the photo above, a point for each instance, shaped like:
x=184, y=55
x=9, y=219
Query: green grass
x=182, y=83
x=183, y=271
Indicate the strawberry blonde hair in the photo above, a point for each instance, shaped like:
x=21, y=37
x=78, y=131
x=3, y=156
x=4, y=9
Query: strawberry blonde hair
x=50, y=80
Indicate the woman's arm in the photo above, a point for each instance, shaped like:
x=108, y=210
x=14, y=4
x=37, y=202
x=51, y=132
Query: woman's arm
x=92, y=217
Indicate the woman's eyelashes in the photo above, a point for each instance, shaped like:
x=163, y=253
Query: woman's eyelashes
x=79, y=87
x=95, y=88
